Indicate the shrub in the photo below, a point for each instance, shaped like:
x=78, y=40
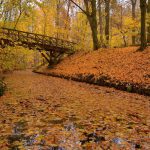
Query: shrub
x=2, y=87
x=129, y=88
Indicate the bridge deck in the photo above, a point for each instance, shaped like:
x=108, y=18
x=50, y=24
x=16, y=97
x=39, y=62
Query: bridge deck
x=38, y=41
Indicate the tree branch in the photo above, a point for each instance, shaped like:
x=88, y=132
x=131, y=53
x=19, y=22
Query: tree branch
x=79, y=7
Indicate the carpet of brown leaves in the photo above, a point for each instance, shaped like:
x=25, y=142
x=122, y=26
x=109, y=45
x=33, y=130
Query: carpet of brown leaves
x=41, y=112
x=121, y=64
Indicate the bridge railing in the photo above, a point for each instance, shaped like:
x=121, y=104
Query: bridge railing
x=38, y=39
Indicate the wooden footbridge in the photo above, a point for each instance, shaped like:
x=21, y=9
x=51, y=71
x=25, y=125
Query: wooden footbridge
x=54, y=47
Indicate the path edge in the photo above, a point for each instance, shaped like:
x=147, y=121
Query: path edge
x=103, y=81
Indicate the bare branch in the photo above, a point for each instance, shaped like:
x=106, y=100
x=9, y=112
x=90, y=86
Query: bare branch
x=79, y=7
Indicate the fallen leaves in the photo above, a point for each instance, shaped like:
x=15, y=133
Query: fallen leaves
x=68, y=115
x=117, y=68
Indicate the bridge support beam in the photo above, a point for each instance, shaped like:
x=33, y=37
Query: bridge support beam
x=48, y=59
x=51, y=57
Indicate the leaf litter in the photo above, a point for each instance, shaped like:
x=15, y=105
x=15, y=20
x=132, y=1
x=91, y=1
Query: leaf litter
x=46, y=113
x=123, y=68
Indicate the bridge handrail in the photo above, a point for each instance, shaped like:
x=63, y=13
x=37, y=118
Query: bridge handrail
x=35, y=34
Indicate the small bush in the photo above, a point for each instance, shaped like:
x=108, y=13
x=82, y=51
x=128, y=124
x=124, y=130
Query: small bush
x=129, y=88
x=2, y=87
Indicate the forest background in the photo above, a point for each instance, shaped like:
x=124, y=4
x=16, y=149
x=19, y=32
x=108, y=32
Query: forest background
x=92, y=24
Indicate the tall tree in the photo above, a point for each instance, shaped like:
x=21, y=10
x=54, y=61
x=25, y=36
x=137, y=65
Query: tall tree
x=100, y=21
x=133, y=2
x=107, y=20
x=91, y=13
x=143, y=24
x=57, y=15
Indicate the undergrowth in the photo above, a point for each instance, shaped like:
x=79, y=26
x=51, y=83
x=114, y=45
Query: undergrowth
x=2, y=87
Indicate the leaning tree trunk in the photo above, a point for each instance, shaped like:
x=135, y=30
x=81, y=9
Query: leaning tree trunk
x=148, y=28
x=143, y=24
x=107, y=20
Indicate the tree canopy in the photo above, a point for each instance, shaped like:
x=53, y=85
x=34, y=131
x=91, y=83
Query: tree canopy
x=90, y=23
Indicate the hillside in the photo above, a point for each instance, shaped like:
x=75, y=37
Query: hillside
x=122, y=68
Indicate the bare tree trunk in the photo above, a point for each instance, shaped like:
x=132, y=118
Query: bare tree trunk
x=121, y=26
x=68, y=9
x=93, y=24
x=92, y=18
x=107, y=20
x=57, y=17
x=133, y=17
x=143, y=24
x=100, y=22
x=67, y=25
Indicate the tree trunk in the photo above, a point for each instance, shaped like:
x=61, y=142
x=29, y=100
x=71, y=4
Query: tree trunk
x=57, y=23
x=133, y=17
x=148, y=28
x=15, y=26
x=100, y=22
x=92, y=18
x=90, y=12
x=93, y=25
x=67, y=25
x=107, y=20
x=143, y=24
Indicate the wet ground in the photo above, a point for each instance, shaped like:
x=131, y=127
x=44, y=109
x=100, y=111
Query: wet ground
x=46, y=113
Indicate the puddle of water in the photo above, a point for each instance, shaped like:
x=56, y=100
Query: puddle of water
x=69, y=138
x=92, y=137
x=18, y=139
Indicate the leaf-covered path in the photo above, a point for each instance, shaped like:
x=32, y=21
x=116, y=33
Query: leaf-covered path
x=42, y=113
